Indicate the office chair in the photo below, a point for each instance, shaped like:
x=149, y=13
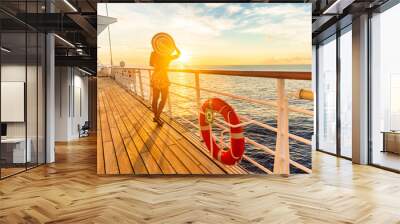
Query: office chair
x=84, y=130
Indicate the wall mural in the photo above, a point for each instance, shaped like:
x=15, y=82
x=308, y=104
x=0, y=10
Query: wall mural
x=205, y=88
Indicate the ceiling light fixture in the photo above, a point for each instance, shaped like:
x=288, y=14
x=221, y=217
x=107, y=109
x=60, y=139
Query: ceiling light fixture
x=337, y=7
x=64, y=40
x=86, y=72
x=5, y=50
x=70, y=5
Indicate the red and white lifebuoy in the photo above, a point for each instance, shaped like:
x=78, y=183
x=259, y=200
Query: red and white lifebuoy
x=233, y=154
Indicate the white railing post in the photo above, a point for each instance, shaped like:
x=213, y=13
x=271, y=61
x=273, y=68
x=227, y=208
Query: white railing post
x=134, y=81
x=281, y=161
x=197, y=89
x=128, y=80
x=140, y=83
x=150, y=89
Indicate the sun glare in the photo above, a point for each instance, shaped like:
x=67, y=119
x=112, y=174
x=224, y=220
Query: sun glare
x=184, y=58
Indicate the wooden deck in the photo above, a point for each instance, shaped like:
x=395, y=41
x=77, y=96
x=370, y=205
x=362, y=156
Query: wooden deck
x=129, y=142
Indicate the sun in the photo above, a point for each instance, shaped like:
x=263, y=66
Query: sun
x=184, y=58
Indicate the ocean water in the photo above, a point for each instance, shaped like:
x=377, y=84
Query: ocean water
x=256, y=88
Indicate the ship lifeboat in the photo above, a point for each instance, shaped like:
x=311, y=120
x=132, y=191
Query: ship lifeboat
x=233, y=154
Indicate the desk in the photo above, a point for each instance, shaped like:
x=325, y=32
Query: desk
x=391, y=141
x=15, y=148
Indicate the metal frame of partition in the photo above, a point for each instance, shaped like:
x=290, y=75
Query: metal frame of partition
x=36, y=33
x=0, y=89
x=129, y=78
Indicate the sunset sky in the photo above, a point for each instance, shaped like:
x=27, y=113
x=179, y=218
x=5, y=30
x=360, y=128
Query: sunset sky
x=210, y=33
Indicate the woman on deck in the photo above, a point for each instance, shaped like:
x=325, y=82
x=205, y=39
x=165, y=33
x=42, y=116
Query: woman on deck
x=160, y=82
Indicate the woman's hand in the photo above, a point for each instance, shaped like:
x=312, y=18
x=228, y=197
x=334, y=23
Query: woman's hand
x=178, y=53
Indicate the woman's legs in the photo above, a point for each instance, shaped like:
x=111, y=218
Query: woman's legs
x=154, y=102
x=164, y=97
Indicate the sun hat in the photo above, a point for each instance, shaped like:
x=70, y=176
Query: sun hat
x=163, y=44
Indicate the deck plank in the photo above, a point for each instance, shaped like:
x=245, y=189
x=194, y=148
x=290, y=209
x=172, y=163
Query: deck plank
x=100, y=151
x=110, y=161
x=124, y=163
x=201, y=152
x=187, y=152
x=135, y=158
x=135, y=154
x=170, y=136
x=188, y=137
x=162, y=156
x=151, y=165
x=151, y=152
x=181, y=163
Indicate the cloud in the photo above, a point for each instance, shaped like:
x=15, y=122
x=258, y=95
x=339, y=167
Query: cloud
x=236, y=32
x=234, y=8
x=283, y=10
x=214, y=5
x=283, y=24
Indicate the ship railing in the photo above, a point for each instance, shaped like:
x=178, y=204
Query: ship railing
x=137, y=80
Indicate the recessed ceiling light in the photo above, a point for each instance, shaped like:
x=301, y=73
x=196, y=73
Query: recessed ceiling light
x=64, y=40
x=86, y=72
x=70, y=5
x=337, y=7
x=5, y=50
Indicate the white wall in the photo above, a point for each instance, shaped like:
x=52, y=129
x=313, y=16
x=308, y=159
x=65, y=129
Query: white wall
x=14, y=72
x=71, y=93
x=62, y=82
x=33, y=126
x=79, y=112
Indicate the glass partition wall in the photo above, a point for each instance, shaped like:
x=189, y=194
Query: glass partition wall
x=327, y=95
x=22, y=77
x=334, y=84
x=345, y=108
x=385, y=89
x=334, y=91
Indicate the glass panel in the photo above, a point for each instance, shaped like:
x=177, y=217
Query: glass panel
x=385, y=84
x=327, y=96
x=32, y=90
x=22, y=88
x=13, y=86
x=41, y=99
x=346, y=94
x=31, y=98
